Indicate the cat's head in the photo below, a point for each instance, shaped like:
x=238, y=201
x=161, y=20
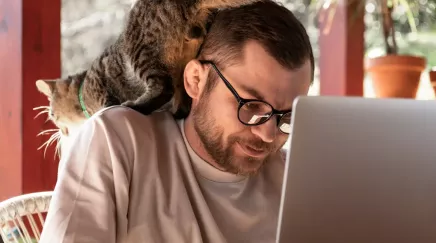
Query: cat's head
x=64, y=108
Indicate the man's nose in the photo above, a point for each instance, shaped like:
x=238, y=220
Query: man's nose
x=266, y=131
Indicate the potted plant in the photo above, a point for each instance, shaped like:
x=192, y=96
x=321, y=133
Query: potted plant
x=392, y=74
x=432, y=75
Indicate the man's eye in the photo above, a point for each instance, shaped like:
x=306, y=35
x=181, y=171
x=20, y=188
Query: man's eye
x=252, y=107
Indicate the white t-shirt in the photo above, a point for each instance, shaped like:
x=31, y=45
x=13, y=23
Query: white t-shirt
x=130, y=174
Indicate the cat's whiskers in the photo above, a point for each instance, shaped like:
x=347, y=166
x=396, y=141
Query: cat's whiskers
x=55, y=133
x=45, y=109
x=54, y=137
x=48, y=131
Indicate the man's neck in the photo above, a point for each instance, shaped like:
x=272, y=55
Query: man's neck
x=196, y=144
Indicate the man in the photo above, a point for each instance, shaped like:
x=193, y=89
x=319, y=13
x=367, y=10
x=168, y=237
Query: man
x=213, y=177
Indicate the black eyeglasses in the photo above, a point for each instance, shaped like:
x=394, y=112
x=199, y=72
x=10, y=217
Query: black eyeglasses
x=253, y=112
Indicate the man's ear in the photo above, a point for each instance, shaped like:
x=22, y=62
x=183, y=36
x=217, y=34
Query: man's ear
x=46, y=86
x=195, y=78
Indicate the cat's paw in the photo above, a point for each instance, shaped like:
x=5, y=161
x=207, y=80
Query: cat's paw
x=128, y=103
x=142, y=108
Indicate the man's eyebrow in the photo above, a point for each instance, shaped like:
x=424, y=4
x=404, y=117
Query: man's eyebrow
x=251, y=91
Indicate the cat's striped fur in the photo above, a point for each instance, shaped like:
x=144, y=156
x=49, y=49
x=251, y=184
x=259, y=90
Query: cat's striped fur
x=143, y=69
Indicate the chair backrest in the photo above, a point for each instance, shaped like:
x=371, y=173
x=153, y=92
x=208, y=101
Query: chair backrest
x=17, y=217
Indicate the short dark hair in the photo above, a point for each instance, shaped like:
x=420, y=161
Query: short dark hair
x=269, y=23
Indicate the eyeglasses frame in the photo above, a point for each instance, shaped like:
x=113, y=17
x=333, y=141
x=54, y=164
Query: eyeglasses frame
x=243, y=101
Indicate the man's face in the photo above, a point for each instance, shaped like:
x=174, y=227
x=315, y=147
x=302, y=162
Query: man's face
x=233, y=146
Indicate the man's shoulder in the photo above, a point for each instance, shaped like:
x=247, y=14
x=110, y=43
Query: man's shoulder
x=119, y=111
x=123, y=120
x=122, y=115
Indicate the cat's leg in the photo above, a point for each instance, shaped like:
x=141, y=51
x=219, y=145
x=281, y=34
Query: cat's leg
x=191, y=48
x=143, y=62
x=196, y=31
x=194, y=36
x=197, y=27
x=159, y=91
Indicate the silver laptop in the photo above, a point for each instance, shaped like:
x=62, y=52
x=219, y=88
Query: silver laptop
x=360, y=171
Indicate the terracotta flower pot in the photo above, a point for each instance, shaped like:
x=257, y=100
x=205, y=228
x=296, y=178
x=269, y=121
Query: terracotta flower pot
x=396, y=76
x=433, y=78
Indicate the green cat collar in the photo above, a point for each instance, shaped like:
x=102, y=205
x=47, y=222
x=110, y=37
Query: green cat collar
x=82, y=103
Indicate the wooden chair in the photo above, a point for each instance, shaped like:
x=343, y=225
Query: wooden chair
x=19, y=217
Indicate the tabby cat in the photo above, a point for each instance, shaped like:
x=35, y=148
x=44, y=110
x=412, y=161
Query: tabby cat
x=143, y=69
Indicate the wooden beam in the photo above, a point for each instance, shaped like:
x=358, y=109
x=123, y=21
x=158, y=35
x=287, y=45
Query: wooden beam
x=341, y=44
x=29, y=50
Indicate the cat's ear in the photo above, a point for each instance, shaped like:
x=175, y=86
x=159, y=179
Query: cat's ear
x=46, y=86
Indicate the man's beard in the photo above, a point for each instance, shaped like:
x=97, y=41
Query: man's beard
x=211, y=136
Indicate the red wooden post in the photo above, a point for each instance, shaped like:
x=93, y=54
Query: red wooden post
x=341, y=60
x=29, y=50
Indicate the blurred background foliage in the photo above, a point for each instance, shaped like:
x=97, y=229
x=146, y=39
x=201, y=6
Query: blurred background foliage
x=90, y=25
